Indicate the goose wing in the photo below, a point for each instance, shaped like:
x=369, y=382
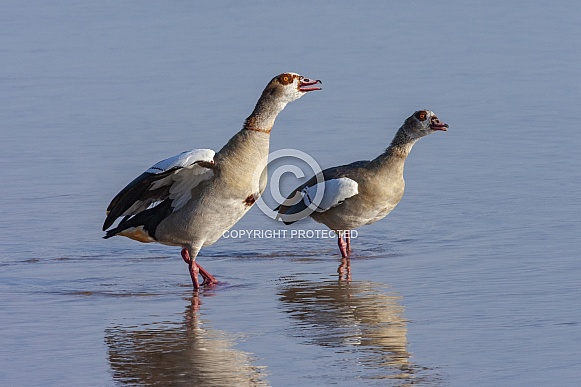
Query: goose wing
x=172, y=178
x=333, y=190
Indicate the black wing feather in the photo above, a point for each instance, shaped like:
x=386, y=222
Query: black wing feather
x=148, y=219
x=137, y=190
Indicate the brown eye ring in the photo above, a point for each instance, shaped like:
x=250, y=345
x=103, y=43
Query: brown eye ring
x=285, y=79
x=422, y=115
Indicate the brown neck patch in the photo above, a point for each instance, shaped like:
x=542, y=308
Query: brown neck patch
x=258, y=129
x=250, y=200
x=250, y=124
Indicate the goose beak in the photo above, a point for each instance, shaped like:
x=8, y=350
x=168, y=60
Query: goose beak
x=436, y=124
x=305, y=83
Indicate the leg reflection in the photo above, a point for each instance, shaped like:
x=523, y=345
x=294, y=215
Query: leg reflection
x=360, y=325
x=187, y=351
x=344, y=269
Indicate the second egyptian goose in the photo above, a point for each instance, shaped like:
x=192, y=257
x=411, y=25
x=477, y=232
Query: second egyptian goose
x=189, y=200
x=353, y=195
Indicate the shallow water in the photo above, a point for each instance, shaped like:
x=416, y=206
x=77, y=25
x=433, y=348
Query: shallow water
x=472, y=280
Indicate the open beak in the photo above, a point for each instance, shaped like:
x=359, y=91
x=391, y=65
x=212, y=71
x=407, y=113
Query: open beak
x=305, y=83
x=436, y=124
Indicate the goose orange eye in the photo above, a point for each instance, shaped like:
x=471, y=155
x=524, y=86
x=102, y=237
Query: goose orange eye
x=285, y=79
x=421, y=116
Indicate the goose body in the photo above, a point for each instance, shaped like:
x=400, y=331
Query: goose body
x=189, y=200
x=362, y=192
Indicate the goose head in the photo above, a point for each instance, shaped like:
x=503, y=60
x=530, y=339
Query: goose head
x=288, y=87
x=422, y=123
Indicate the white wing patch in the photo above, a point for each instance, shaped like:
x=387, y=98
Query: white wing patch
x=185, y=180
x=140, y=205
x=183, y=160
x=335, y=192
x=188, y=174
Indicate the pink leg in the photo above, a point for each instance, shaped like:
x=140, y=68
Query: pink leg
x=348, y=240
x=342, y=246
x=186, y=256
x=196, y=269
x=208, y=278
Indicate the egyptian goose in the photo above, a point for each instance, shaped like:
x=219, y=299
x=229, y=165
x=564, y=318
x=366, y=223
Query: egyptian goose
x=189, y=200
x=353, y=195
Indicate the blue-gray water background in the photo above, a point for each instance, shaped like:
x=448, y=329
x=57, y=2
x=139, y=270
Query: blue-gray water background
x=474, y=279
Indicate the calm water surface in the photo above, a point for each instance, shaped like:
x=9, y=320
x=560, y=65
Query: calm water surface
x=473, y=280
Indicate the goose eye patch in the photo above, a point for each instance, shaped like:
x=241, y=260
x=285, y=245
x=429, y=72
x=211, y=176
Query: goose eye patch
x=421, y=115
x=285, y=79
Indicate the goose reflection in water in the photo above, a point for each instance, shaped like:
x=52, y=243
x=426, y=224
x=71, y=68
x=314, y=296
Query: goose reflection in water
x=171, y=353
x=361, y=321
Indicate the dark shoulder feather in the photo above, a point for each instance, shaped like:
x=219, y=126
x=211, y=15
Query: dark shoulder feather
x=148, y=219
x=328, y=174
x=137, y=190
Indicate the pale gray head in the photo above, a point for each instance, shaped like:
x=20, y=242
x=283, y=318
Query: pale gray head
x=422, y=123
x=281, y=90
x=288, y=87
